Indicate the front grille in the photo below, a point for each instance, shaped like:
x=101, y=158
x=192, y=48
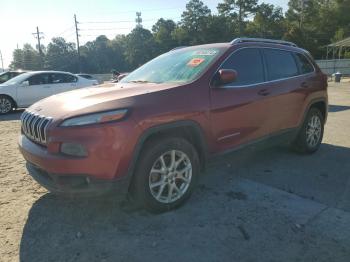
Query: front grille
x=34, y=126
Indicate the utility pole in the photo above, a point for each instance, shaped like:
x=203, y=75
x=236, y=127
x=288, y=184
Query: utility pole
x=78, y=46
x=38, y=36
x=138, y=20
x=2, y=62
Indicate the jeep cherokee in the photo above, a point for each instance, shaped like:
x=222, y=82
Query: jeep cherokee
x=151, y=134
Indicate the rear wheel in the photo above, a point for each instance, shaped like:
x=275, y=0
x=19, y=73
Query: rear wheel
x=310, y=135
x=166, y=174
x=6, y=105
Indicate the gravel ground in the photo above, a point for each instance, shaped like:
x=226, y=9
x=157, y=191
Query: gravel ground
x=255, y=205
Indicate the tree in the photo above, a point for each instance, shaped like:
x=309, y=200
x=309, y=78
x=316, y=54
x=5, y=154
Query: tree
x=61, y=55
x=268, y=22
x=140, y=47
x=193, y=23
x=238, y=10
x=162, y=33
x=27, y=58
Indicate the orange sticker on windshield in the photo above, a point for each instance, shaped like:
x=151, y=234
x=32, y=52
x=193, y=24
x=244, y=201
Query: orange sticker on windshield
x=195, y=62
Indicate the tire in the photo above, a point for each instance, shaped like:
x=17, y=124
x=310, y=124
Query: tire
x=311, y=133
x=6, y=105
x=151, y=189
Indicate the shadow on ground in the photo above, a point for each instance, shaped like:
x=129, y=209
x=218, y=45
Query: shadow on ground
x=220, y=222
x=337, y=108
x=14, y=115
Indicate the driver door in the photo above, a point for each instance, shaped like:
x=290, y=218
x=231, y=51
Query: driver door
x=240, y=110
x=34, y=89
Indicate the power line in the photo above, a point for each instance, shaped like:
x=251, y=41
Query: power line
x=104, y=29
x=150, y=10
x=66, y=30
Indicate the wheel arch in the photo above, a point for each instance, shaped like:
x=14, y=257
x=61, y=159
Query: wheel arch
x=187, y=129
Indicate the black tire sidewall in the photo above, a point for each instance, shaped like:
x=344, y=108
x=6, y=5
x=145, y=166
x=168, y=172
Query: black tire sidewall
x=140, y=187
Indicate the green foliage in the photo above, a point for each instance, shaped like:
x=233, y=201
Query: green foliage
x=268, y=22
x=140, y=47
x=311, y=24
x=238, y=10
x=26, y=58
x=60, y=55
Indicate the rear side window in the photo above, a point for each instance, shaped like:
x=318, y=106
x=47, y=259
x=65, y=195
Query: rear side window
x=304, y=64
x=62, y=78
x=249, y=66
x=280, y=64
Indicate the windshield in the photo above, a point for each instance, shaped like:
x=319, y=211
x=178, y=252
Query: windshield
x=18, y=79
x=178, y=66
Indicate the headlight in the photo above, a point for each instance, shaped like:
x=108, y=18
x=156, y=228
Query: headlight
x=95, y=118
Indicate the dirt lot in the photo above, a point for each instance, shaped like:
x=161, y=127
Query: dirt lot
x=255, y=205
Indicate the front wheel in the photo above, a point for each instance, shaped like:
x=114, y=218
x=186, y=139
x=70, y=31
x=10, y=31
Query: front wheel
x=311, y=133
x=6, y=105
x=166, y=174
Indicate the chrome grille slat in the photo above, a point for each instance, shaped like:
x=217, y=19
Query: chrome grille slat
x=34, y=126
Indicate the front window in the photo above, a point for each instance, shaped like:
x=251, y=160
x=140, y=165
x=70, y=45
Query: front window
x=18, y=79
x=178, y=66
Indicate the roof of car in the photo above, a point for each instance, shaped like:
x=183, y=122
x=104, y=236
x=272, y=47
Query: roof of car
x=258, y=42
x=40, y=72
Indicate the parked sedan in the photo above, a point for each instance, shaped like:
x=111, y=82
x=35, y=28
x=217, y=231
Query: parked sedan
x=28, y=88
x=6, y=76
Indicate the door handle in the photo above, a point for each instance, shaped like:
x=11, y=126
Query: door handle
x=304, y=85
x=263, y=92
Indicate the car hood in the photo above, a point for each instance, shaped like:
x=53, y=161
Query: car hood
x=94, y=99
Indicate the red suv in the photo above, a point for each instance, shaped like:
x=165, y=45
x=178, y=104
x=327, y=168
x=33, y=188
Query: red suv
x=151, y=134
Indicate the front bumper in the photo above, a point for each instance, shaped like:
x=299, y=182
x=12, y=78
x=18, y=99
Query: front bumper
x=81, y=185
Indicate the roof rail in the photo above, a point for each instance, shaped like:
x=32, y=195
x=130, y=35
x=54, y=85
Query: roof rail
x=261, y=40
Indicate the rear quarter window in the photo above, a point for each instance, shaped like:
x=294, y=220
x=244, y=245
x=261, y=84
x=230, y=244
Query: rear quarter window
x=304, y=64
x=280, y=64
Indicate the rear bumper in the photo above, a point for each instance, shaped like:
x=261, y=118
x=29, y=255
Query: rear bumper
x=77, y=185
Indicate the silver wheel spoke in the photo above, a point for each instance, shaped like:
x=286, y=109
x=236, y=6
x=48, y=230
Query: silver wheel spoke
x=157, y=184
x=170, y=193
x=162, y=162
x=182, y=177
x=172, y=159
x=157, y=171
x=161, y=191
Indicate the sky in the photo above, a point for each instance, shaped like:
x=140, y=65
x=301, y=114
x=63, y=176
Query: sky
x=19, y=19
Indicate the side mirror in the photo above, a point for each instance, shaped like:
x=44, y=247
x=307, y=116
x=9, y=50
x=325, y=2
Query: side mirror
x=25, y=83
x=225, y=76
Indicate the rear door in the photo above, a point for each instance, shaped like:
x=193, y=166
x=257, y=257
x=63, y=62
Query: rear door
x=39, y=87
x=63, y=82
x=287, y=92
x=240, y=110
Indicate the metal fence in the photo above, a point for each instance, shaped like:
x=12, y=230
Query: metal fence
x=332, y=66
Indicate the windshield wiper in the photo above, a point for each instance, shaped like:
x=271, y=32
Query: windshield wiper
x=143, y=81
x=139, y=81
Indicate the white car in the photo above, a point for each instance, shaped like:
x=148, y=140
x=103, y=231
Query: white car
x=28, y=88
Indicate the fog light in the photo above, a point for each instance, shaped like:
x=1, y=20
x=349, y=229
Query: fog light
x=73, y=149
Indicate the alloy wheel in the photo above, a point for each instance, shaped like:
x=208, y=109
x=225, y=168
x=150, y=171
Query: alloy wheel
x=170, y=176
x=5, y=105
x=313, y=131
